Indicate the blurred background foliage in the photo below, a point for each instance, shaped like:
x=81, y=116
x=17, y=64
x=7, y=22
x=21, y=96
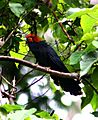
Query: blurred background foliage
x=77, y=46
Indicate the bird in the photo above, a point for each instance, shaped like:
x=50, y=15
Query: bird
x=47, y=57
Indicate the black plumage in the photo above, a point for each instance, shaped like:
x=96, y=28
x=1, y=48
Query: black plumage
x=47, y=57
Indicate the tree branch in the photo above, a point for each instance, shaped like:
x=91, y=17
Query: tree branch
x=40, y=68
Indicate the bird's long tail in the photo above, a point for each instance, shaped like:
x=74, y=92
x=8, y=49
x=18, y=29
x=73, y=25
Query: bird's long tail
x=68, y=85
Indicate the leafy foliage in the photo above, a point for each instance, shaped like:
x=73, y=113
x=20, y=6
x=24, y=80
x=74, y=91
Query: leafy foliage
x=75, y=32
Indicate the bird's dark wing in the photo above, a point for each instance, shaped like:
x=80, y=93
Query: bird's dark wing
x=46, y=56
x=40, y=52
x=55, y=60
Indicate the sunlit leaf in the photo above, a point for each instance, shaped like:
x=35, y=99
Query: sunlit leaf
x=94, y=102
x=47, y=116
x=75, y=57
x=10, y=108
x=21, y=114
x=22, y=51
x=52, y=86
x=87, y=23
x=44, y=114
x=91, y=11
x=78, y=14
x=87, y=61
x=87, y=37
x=89, y=48
x=17, y=9
x=95, y=43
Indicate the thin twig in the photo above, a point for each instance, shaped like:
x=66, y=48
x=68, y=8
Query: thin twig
x=11, y=33
x=30, y=85
x=38, y=97
x=62, y=27
x=7, y=81
x=41, y=95
x=7, y=94
x=40, y=68
x=23, y=76
x=14, y=84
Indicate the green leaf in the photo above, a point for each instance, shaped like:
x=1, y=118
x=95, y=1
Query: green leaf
x=15, y=42
x=45, y=10
x=87, y=23
x=2, y=4
x=95, y=113
x=89, y=18
x=18, y=1
x=2, y=32
x=21, y=114
x=29, y=4
x=47, y=116
x=22, y=51
x=87, y=37
x=75, y=57
x=9, y=108
x=17, y=9
x=72, y=3
x=52, y=86
x=89, y=95
x=33, y=117
x=94, y=101
x=94, y=77
x=78, y=14
x=44, y=114
x=89, y=48
x=95, y=43
x=44, y=23
x=54, y=4
x=58, y=34
x=87, y=61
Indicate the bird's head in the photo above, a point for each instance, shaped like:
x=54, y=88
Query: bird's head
x=33, y=38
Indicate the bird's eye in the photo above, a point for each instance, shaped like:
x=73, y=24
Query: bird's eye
x=30, y=39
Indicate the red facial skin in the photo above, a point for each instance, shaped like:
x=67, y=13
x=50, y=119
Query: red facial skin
x=33, y=38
